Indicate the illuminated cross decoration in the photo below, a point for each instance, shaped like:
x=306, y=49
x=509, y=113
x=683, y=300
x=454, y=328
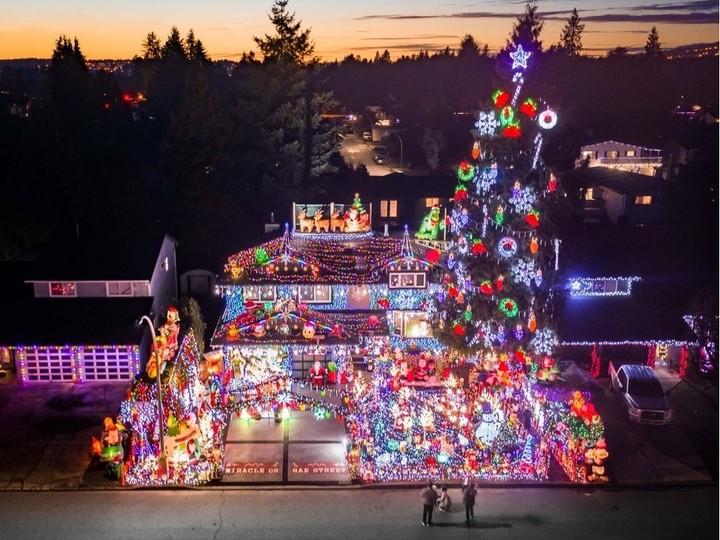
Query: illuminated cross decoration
x=520, y=58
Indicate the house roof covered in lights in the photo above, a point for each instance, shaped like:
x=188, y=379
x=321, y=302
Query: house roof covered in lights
x=287, y=323
x=626, y=311
x=340, y=258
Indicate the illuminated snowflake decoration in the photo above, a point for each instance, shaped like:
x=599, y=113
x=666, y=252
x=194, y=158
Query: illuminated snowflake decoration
x=462, y=276
x=522, y=200
x=523, y=271
x=544, y=341
x=486, y=123
x=538, y=277
x=486, y=178
x=460, y=219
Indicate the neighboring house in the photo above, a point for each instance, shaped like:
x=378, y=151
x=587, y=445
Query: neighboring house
x=75, y=307
x=622, y=156
x=398, y=200
x=612, y=194
x=309, y=296
x=627, y=319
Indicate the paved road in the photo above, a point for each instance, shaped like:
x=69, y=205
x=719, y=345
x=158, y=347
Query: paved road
x=360, y=513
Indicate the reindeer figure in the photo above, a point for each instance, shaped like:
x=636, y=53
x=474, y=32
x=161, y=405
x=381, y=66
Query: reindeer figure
x=320, y=223
x=306, y=223
x=337, y=223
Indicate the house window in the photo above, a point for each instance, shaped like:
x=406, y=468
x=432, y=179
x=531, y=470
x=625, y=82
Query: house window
x=643, y=200
x=388, y=208
x=630, y=153
x=63, y=288
x=119, y=288
x=411, y=324
x=358, y=297
x=315, y=294
x=259, y=293
x=612, y=154
x=432, y=201
x=407, y=280
x=166, y=264
x=589, y=195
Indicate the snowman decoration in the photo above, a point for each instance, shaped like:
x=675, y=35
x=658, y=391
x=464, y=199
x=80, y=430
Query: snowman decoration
x=486, y=430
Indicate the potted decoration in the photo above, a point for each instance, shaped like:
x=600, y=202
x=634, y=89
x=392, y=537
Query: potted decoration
x=332, y=373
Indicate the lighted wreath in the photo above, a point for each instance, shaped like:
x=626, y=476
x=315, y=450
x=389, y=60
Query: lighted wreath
x=547, y=119
x=466, y=171
x=508, y=307
x=507, y=247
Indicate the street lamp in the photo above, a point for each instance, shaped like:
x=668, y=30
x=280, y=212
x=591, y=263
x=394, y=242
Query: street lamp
x=162, y=459
x=401, y=149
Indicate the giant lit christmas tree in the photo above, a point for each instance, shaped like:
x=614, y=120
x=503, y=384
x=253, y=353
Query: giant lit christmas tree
x=495, y=305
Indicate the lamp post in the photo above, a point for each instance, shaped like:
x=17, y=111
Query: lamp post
x=401, y=149
x=162, y=459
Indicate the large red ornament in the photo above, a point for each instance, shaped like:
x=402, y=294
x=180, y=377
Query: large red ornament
x=476, y=150
x=501, y=99
x=478, y=247
x=384, y=303
x=459, y=330
x=460, y=194
x=432, y=256
x=453, y=292
x=532, y=220
x=552, y=183
x=486, y=287
x=512, y=132
x=528, y=108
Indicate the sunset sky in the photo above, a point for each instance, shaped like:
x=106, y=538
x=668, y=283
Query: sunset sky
x=115, y=30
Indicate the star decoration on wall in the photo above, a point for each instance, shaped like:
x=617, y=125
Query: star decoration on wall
x=520, y=57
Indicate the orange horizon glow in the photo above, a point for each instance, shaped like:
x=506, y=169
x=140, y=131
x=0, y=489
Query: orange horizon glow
x=30, y=29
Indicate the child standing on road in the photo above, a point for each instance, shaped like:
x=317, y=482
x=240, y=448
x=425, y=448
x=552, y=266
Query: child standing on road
x=444, y=501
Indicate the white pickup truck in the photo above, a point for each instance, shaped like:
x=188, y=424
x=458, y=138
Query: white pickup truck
x=644, y=396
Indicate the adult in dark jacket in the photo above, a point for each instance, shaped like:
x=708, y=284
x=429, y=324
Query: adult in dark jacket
x=429, y=498
x=468, y=493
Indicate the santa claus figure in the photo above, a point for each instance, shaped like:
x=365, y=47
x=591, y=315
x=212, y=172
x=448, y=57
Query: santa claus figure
x=317, y=374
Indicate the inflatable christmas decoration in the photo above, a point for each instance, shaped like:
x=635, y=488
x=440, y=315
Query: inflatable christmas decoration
x=431, y=225
x=356, y=219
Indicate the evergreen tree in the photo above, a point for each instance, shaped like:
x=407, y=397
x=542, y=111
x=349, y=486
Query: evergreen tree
x=571, y=35
x=174, y=46
x=617, y=52
x=195, y=49
x=652, y=45
x=297, y=144
x=526, y=32
x=151, y=47
x=468, y=47
x=289, y=44
x=496, y=297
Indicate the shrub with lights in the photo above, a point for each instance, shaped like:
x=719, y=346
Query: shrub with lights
x=193, y=423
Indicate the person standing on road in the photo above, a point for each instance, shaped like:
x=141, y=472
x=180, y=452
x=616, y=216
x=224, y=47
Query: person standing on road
x=429, y=498
x=469, y=492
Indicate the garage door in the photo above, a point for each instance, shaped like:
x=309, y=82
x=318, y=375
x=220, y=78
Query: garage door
x=77, y=364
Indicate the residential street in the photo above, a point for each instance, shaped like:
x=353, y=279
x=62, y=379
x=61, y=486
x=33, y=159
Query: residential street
x=361, y=513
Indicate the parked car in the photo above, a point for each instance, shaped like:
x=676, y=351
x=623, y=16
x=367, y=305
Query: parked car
x=367, y=136
x=379, y=159
x=644, y=397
